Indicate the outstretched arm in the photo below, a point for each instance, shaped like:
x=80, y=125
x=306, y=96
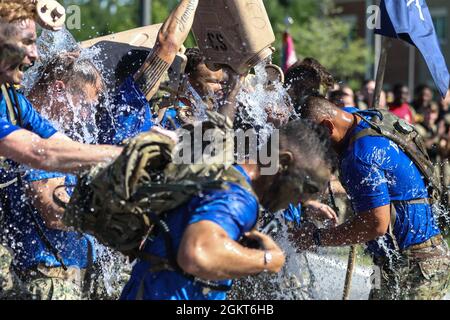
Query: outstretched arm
x=171, y=37
x=58, y=153
x=206, y=251
x=362, y=228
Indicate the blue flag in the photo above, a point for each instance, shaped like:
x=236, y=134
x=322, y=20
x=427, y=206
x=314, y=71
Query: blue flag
x=410, y=20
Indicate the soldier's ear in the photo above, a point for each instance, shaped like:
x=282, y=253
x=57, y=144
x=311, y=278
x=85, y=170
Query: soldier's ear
x=329, y=125
x=286, y=160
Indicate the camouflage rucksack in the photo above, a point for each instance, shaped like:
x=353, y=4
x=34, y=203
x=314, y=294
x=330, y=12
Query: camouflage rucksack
x=121, y=203
x=408, y=139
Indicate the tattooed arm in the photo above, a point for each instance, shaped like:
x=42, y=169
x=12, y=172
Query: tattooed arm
x=171, y=37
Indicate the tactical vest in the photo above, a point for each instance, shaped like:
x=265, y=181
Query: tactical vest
x=406, y=137
x=123, y=203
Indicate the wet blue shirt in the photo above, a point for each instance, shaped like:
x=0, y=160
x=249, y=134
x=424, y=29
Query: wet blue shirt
x=20, y=232
x=31, y=119
x=27, y=245
x=130, y=115
x=170, y=120
x=293, y=214
x=6, y=128
x=374, y=172
x=235, y=210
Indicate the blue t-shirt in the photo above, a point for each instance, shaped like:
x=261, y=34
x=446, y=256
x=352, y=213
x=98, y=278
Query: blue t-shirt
x=31, y=119
x=374, y=172
x=6, y=128
x=293, y=214
x=131, y=114
x=27, y=245
x=21, y=234
x=170, y=120
x=235, y=210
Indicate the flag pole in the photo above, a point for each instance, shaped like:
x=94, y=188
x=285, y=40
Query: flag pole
x=385, y=46
x=349, y=274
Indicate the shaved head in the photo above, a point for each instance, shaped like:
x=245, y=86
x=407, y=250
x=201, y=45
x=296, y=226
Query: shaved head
x=317, y=109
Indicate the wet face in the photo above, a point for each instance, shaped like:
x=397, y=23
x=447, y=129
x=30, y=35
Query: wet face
x=207, y=82
x=70, y=104
x=84, y=100
x=25, y=38
x=290, y=187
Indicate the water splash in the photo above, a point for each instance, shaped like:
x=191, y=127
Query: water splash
x=50, y=44
x=316, y=275
x=114, y=267
x=259, y=105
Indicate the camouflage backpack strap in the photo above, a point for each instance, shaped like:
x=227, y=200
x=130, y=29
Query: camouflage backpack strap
x=406, y=137
x=9, y=105
x=13, y=119
x=409, y=140
x=228, y=175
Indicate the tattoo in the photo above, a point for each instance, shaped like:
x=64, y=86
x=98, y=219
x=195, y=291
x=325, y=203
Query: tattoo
x=152, y=73
x=186, y=16
x=181, y=25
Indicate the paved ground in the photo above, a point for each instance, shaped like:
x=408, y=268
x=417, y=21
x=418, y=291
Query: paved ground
x=330, y=277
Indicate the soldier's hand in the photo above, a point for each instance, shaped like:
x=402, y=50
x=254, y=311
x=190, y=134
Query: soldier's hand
x=269, y=246
x=321, y=212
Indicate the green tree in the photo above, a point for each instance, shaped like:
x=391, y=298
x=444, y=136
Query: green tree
x=102, y=17
x=319, y=33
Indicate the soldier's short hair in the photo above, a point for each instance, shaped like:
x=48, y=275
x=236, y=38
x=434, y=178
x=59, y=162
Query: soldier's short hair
x=68, y=68
x=195, y=58
x=17, y=10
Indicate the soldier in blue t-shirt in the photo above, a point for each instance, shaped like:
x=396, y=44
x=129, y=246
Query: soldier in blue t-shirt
x=392, y=205
x=38, y=145
x=24, y=135
x=53, y=262
x=206, y=231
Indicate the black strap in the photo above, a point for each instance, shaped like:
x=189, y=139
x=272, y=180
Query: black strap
x=165, y=230
x=333, y=199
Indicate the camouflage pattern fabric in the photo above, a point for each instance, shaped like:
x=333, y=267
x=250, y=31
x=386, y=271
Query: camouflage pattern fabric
x=6, y=280
x=53, y=289
x=54, y=283
x=11, y=288
x=415, y=275
x=145, y=179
